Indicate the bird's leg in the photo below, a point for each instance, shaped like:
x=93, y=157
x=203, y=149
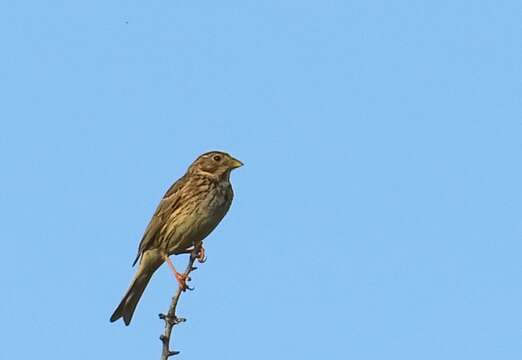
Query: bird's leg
x=180, y=278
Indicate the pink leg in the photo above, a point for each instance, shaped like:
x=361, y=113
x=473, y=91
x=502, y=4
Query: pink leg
x=181, y=278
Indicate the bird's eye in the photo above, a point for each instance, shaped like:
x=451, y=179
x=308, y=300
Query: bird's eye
x=217, y=158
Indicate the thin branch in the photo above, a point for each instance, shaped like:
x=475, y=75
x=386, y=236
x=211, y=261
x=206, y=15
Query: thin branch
x=171, y=319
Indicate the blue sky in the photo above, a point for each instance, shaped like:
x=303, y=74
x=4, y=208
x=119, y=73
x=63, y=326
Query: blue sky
x=378, y=214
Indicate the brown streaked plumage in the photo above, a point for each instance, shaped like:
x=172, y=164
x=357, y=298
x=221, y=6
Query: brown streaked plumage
x=190, y=209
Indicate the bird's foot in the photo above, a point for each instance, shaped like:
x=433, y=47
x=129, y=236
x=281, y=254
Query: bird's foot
x=181, y=278
x=201, y=255
x=182, y=281
x=198, y=252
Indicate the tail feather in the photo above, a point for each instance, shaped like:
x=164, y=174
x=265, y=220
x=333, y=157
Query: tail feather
x=131, y=298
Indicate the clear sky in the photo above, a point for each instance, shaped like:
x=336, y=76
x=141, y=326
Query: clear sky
x=378, y=214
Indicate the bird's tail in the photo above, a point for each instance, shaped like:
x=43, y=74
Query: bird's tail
x=132, y=296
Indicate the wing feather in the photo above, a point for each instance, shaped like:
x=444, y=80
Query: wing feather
x=168, y=204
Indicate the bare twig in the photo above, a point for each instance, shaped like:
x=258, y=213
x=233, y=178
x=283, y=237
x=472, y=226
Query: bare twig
x=171, y=319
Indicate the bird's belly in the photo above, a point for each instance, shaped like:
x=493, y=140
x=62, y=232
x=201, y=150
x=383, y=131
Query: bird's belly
x=194, y=229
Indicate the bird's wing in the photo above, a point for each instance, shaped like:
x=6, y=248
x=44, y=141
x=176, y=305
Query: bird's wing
x=167, y=206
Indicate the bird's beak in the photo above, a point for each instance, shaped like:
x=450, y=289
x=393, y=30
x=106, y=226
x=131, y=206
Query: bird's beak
x=235, y=163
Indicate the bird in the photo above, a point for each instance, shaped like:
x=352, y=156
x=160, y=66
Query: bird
x=188, y=212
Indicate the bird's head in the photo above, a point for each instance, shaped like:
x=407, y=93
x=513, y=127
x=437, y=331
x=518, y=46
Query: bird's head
x=217, y=164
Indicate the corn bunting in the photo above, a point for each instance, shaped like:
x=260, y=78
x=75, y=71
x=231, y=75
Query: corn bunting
x=190, y=209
